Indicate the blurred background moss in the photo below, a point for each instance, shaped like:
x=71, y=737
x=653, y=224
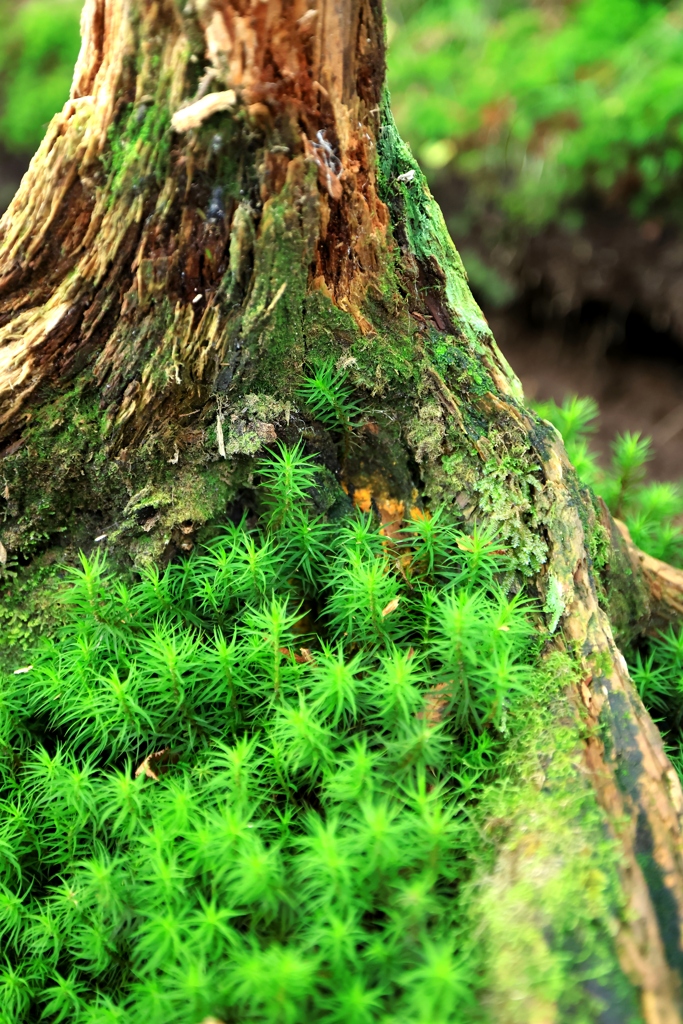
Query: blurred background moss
x=552, y=136
x=541, y=106
x=39, y=43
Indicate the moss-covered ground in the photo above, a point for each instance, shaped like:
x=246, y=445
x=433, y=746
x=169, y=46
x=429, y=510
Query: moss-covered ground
x=288, y=777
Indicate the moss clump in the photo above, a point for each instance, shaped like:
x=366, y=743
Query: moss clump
x=328, y=329
x=426, y=431
x=310, y=714
x=498, y=482
x=139, y=148
x=28, y=604
x=459, y=367
x=60, y=466
x=271, y=324
x=507, y=497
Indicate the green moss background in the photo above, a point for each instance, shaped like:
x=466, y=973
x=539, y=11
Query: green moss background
x=39, y=44
x=537, y=104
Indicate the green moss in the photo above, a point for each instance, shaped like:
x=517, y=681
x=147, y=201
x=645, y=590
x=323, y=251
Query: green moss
x=650, y=510
x=328, y=330
x=656, y=668
x=403, y=187
x=547, y=911
x=29, y=605
x=507, y=488
x=334, y=743
x=38, y=49
x=272, y=323
x=460, y=364
x=188, y=498
x=248, y=423
x=425, y=432
x=597, y=90
x=419, y=226
x=139, y=148
x=386, y=357
x=64, y=480
x=599, y=547
x=623, y=595
x=549, y=837
x=499, y=482
x=229, y=155
x=53, y=472
x=379, y=360
x=554, y=606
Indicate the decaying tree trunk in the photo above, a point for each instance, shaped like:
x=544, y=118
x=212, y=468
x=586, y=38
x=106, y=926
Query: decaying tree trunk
x=223, y=201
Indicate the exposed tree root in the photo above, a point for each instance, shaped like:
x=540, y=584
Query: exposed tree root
x=664, y=582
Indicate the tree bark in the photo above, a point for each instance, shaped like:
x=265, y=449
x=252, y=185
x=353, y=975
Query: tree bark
x=224, y=200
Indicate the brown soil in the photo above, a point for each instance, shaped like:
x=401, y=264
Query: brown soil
x=635, y=375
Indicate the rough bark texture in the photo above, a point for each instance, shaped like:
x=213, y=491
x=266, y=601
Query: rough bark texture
x=224, y=200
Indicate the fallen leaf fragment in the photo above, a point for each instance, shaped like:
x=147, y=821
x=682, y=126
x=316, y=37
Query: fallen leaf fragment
x=436, y=703
x=391, y=607
x=156, y=764
x=585, y=692
x=301, y=659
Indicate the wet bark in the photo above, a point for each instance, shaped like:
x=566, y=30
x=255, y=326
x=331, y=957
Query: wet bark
x=223, y=201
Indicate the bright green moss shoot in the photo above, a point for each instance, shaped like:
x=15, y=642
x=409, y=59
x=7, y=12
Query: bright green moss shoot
x=652, y=512
x=657, y=671
x=330, y=705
